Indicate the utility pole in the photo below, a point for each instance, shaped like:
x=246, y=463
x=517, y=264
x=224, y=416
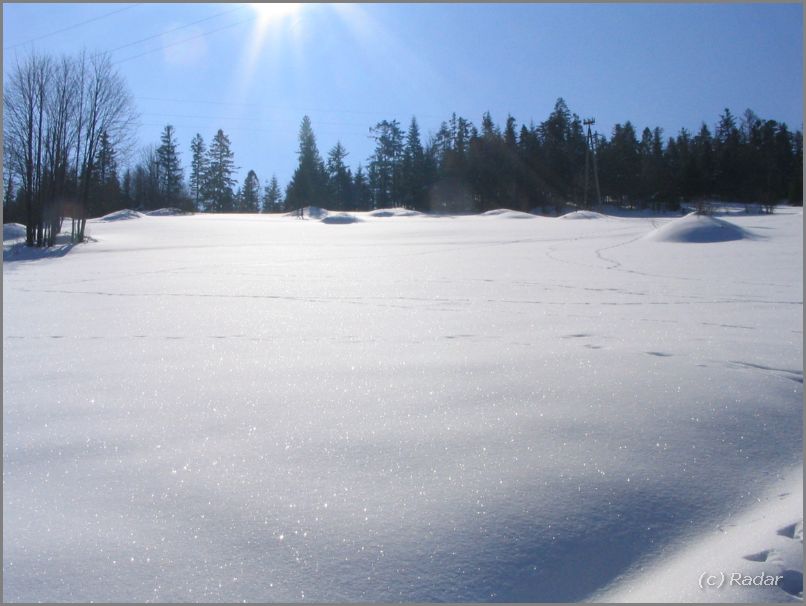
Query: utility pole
x=590, y=152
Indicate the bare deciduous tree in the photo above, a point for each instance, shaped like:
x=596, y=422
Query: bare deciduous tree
x=24, y=103
x=107, y=107
x=55, y=112
x=61, y=136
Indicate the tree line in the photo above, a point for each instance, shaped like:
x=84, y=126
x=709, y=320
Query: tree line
x=465, y=168
x=69, y=121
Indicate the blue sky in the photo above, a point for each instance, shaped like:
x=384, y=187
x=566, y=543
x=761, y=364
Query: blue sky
x=202, y=67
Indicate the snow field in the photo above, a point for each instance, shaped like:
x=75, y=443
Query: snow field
x=459, y=409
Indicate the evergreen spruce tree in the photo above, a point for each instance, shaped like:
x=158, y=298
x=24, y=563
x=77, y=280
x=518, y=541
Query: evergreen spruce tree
x=531, y=184
x=558, y=166
x=105, y=190
x=340, y=180
x=126, y=189
x=273, y=197
x=649, y=170
x=556, y=172
x=795, y=187
x=386, y=163
x=688, y=176
x=452, y=190
x=727, y=147
x=219, y=181
x=779, y=163
x=485, y=164
x=626, y=148
x=171, y=176
x=308, y=185
x=414, y=170
x=250, y=194
x=703, y=150
x=362, y=196
x=509, y=151
x=198, y=171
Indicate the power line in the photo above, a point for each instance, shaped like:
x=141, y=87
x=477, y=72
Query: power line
x=278, y=130
x=221, y=14
x=202, y=35
x=199, y=101
x=74, y=26
x=248, y=118
x=276, y=107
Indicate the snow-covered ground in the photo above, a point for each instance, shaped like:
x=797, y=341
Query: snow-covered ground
x=402, y=407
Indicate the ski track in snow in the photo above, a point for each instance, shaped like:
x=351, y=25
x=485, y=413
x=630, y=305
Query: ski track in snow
x=404, y=409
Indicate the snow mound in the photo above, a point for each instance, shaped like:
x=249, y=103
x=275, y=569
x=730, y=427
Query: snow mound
x=309, y=212
x=122, y=215
x=13, y=231
x=698, y=229
x=507, y=214
x=340, y=219
x=395, y=212
x=583, y=214
x=165, y=212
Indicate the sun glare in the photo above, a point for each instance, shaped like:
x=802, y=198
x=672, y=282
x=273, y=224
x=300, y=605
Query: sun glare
x=268, y=11
x=276, y=26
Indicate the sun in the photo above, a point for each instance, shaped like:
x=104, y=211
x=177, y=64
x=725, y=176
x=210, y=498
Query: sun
x=276, y=25
x=270, y=11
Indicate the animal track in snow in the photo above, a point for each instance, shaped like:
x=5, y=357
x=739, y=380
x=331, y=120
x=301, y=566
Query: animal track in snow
x=791, y=374
x=793, y=531
x=792, y=583
x=761, y=556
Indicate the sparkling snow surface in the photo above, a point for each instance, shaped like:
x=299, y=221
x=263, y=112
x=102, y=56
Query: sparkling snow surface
x=263, y=408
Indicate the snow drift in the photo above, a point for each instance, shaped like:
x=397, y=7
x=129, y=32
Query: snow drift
x=121, y=215
x=506, y=213
x=583, y=214
x=394, y=212
x=13, y=231
x=700, y=229
x=309, y=212
x=165, y=212
x=340, y=219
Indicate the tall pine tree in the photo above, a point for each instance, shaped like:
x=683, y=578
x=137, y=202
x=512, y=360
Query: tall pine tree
x=308, y=185
x=340, y=179
x=198, y=171
x=170, y=171
x=362, y=196
x=249, y=200
x=105, y=191
x=219, y=181
x=273, y=197
x=386, y=163
x=415, y=173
